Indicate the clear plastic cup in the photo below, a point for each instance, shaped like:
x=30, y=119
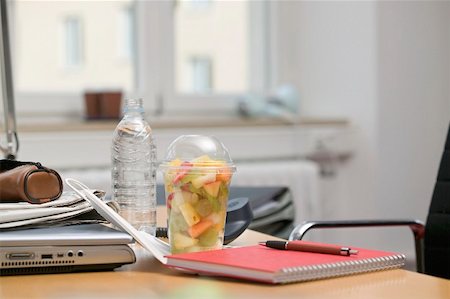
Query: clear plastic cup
x=197, y=172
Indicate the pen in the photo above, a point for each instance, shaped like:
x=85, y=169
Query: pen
x=303, y=246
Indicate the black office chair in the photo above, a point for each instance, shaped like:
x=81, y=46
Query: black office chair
x=432, y=241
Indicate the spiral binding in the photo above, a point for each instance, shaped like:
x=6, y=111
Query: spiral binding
x=313, y=272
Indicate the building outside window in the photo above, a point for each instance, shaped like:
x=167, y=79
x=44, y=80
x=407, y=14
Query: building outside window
x=152, y=49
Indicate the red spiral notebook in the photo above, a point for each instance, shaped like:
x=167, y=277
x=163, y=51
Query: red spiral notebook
x=263, y=264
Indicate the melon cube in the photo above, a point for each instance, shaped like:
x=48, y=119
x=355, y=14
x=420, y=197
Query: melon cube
x=181, y=241
x=189, y=197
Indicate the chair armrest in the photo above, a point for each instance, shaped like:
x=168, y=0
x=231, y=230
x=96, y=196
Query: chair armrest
x=417, y=227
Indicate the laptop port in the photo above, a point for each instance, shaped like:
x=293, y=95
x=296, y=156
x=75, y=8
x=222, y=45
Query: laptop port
x=46, y=256
x=20, y=256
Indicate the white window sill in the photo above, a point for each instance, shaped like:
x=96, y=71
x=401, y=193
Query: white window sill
x=71, y=125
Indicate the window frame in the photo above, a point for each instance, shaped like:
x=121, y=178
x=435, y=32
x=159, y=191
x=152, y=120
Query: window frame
x=154, y=68
x=261, y=65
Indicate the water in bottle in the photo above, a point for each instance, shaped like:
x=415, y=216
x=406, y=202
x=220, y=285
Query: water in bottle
x=134, y=168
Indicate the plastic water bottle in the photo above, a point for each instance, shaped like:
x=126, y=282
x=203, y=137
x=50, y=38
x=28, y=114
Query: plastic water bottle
x=134, y=168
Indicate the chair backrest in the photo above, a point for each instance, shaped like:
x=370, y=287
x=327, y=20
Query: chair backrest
x=437, y=229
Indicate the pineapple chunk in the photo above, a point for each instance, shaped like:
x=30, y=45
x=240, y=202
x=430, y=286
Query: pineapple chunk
x=203, y=179
x=206, y=160
x=212, y=188
x=201, y=159
x=176, y=162
x=190, y=215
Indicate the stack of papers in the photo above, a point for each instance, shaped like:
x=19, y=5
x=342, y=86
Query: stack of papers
x=69, y=205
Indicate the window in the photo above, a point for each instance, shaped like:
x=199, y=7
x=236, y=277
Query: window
x=201, y=75
x=125, y=30
x=197, y=55
x=199, y=4
x=73, y=47
x=217, y=36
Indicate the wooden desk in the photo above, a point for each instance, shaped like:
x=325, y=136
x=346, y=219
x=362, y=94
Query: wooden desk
x=147, y=278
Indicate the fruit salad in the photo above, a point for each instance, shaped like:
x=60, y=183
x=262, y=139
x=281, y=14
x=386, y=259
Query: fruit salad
x=196, y=197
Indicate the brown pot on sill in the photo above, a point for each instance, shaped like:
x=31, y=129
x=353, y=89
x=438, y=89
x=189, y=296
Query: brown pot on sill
x=110, y=105
x=92, y=105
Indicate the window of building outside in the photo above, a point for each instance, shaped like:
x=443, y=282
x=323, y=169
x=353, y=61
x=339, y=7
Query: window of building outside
x=177, y=51
x=201, y=72
x=125, y=33
x=73, y=42
x=199, y=4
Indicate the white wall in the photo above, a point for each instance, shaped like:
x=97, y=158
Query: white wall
x=414, y=103
x=332, y=60
x=386, y=66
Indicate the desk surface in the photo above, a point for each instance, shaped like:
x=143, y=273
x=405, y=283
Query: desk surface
x=147, y=278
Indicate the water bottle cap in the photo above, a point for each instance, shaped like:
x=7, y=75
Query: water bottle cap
x=133, y=105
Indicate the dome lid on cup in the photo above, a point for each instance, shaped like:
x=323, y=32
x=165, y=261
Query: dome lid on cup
x=197, y=151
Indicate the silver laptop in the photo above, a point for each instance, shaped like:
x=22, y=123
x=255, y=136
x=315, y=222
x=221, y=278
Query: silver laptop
x=84, y=247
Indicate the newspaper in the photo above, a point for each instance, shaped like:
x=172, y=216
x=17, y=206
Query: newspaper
x=69, y=205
